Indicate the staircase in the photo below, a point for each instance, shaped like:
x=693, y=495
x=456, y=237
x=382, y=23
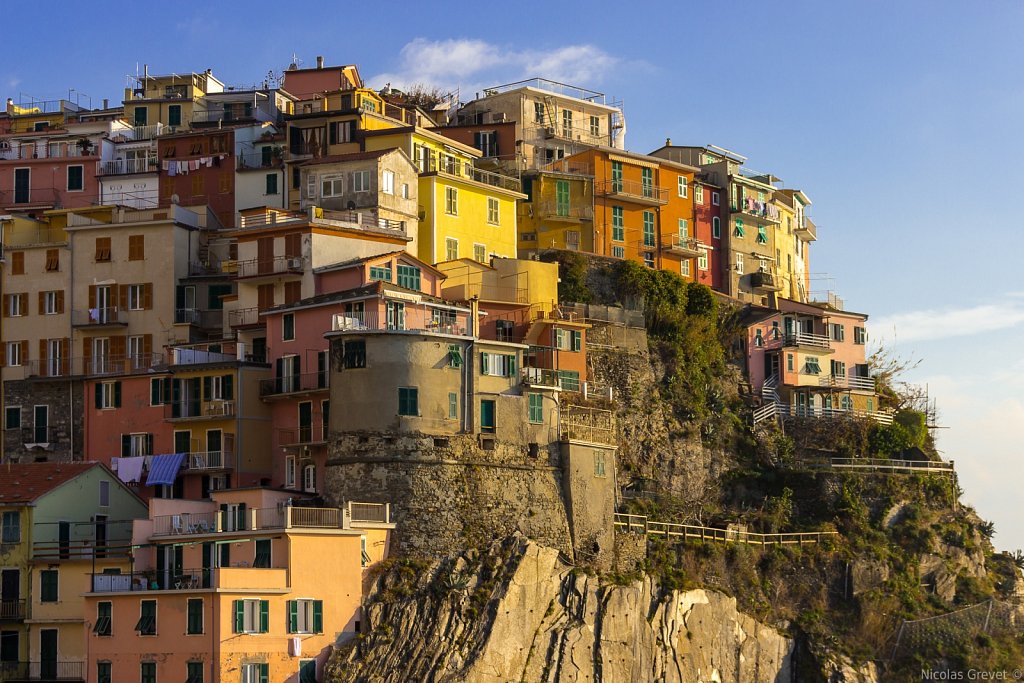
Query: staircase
x=772, y=404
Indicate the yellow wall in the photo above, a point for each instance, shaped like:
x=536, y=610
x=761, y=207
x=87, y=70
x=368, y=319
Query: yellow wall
x=17, y=556
x=538, y=218
x=470, y=225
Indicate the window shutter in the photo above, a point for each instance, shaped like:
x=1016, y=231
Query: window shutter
x=126, y=445
x=99, y=394
x=122, y=297
x=147, y=346
x=117, y=348
x=87, y=351
x=279, y=370
x=147, y=296
x=42, y=357
x=207, y=388
x=227, y=384
x=264, y=673
x=24, y=303
x=318, y=616
x=484, y=363
x=117, y=394
x=42, y=303
x=293, y=616
x=7, y=305
x=239, y=616
x=264, y=618
x=511, y=366
x=92, y=296
x=24, y=352
x=60, y=300
x=149, y=442
x=240, y=518
x=296, y=365
x=155, y=392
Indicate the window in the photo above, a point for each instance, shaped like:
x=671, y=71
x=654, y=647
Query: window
x=17, y=263
x=682, y=186
x=11, y=530
x=252, y=616
x=811, y=366
x=405, y=191
x=647, y=181
x=147, y=672
x=702, y=260
x=103, y=625
x=104, y=494
x=48, y=585
x=146, y=625
x=454, y=356
x=174, y=115
x=595, y=126
x=739, y=264
x=387, y=182
x=354, y=354
x=497, y=364
x=136, y=294
x=256, y=673
x=739, y=227
x=395, y=311
x=789, y=362
x=408, y=401
x=102, y=249
x=271, y=183
x=684, y=229
x=566, y=123
x=451, y=248
x=53, y=302
x=361, y=181
x=616, y=176
x=409, y=277
x=619, y=252
x=714, y=199
x=103, y=672
x=536, y=402
x=684, y=268
x=219, y=388
x=698, y=194
x=52, y=260
x=758, y=338
x=762, y=235
x=837, y=332
x=480, y=253
x=76, y=179
x=860, y=335
x=716, y=227
x=453, y=405
x=195, y=616
x=288, y=327
x=262, y=557
x=649, y=259
x=382, y=273
x=108, y=395
x=17, y=353
x=329, y=187
x=487, y=142
x=492, y=211
x=305, y=616
x=12, y=417
x=838, y=368
x=17, y=305
x=488, y=420
x=159, y=391
x=538, y=112
x=599, y=464
x=648, y=228
x=451, y=201
x=307, y=671
x=194, y=671
x=618, y=224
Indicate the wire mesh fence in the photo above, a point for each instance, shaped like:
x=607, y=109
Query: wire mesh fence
x=941, y=632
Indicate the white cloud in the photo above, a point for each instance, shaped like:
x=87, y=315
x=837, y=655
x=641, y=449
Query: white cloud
x=474, y=64
x=937, y=324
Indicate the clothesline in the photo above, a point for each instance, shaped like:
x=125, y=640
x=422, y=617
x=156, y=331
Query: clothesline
x=186, y=166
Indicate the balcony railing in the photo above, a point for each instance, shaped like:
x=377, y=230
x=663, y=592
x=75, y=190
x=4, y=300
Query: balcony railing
x=570, y=166
x=125, y=166
x=244, y=317
x=210, y=460
x=409, y=320
x=198, y=317
x=45, y=150
x=376, y=513
x=362, y=220
x=848, y=382
x=309, y=381
x=268, y=519
x=155, y=130
x=152, y=580
x=458, y=168
x=95, y=365
x=53, y=670
x=253, y=160
x=211, y=116
x=81, y=550
x=631, y=189
x=807, y=339
x=109, y=315
x=765, y=279
x=593, y=425
x=555, y=211
x=34, y=235
x=540, y=377
x=191, y=409
x=807, y=230
x=277, y=265
x=305, y=435
x=685, y=246
x=758, y=209
x=12, y=610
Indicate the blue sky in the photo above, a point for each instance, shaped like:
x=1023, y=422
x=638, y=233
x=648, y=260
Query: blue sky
x=899, y=119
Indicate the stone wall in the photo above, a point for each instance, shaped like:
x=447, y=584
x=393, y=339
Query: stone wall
x=66, y=409
x=449, y=493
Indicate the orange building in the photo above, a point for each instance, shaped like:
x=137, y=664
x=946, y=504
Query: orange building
x=247, y=587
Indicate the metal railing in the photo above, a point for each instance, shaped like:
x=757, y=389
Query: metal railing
x=759, y=209
x=305, y=435
x=362, y=220
x=540, y=377
x=210, y=460
x=152, y=580
x=81, y=550
x=881, y=465
x=632, y=189
x=556, y=210
x=125, y=166
x=563, y=89
x=690, y=246
x=267, y=519
x=232, y=115
x=190, y=409
x=848, y=382
x=244, y=316
x=186, y=523
x=273, y=266
x=262, y=220
x=421, y=319
x=641, y=524
x=149, y=132
x=592, y=425
x=198, y=316
x=252, y=160
x=308, y=381
x=569, y=166
x=12, y=610
x=453, y=166
x=108, y=315
x=50, y=670
x=765, y=279
x=379, y=513
x=807, y=339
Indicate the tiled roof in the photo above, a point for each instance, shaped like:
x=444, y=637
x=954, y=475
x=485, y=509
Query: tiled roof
x=26, y=482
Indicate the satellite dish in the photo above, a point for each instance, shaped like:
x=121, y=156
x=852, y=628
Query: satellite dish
x=175, y=199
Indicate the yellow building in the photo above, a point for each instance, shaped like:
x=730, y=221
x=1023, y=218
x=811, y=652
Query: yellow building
x=170, y=100
x=559, y=210
x=793, y=237
x=464, y=211
x=246, y=587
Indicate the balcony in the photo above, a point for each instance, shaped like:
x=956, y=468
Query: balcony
x=99, y=317
x=270, y=519
x=765, y=212
x=294, y=384
x=190, y=410
x=631, y=190
x=52, y=670
x=591, y=425
x=541, y=378
x=305, y=435
x=360, y=220
x=245, y=317
x=565, y=213
x=569, y=167
x=806, y=230
x=567, y=133
x=407, y=320
x=198, y=317
x=853, y=382
x=56, y=368
x=12, y=610
x=214, y=117
x=684, y=246
x=814, y=342
x=153, y=580
x=82, y=549
x=33, y=235
x=126, y=166
x=765, y=280
x=272, y=267
x=248, y=161
x=207, y=461
x=458, y=168
x=140, y=133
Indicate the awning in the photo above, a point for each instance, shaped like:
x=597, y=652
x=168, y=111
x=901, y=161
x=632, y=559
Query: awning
x=164, y=469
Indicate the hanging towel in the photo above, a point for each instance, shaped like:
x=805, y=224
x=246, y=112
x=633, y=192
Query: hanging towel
x=193, y=165
x=164, y=164
x=129, y=469
x=172, y=167
x=164, y=469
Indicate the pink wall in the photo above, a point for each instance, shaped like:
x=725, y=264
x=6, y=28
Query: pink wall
x=103, y=427
x=48, y=182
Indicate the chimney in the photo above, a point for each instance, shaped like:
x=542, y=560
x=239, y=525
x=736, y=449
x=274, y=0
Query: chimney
x=668, y=142
x=106, y=103
x=319, y=62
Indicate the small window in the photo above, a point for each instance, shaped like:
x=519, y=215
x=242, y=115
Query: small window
x=147, y=672
x=305, y=616
x=860, y=335
x=618, y=224
x=194, y=671
x=739, y=232
x=52, y=260
x=104, y=614
x=136, y=247
x=492, y=211
x=451, y=247
x=103, y=672
x=104, y=494
x=536, y=403
x=146, y=626
x=271, y=184
x=255, y=673
x=811, y=366
x=251, y=616
x=409, y=277
x=76, y=178
x=453, y=405
x=599, y=464
x=454, y=356
x=702, y=260
x=12, y=417
x=408, y=401
x=451, y=201
x=48, y=584
x=619, y=252
x=387, y=182
x=195, y=616
x=739, y=264
x=380, y=273
x=361, y=181
x=405, y=191
x=480, y=253
x=595, y=126
x=102, y=249
x=108, y=395
x=716, y=227
x=682, y=186
x=288, y=327
x=762, y=235
x=16, y=353
x=714, y=199
x=135, y=297
x=684, y=268
x=698, y=194
x=354, y=354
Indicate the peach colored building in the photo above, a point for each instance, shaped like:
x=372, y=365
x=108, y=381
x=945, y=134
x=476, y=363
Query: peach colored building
x=228, y=590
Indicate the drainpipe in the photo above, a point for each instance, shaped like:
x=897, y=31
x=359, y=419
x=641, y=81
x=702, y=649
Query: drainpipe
x=71, y=344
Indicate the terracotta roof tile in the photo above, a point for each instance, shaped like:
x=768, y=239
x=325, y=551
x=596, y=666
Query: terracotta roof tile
x=25, y=482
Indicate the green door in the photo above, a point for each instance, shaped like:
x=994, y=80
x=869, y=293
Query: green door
x=562, y=197
x=487, y=419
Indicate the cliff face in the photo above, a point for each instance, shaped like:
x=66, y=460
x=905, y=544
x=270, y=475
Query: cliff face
x=519, y=614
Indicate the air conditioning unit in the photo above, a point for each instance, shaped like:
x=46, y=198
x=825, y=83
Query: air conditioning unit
x=295, y=263
x=549, y=132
